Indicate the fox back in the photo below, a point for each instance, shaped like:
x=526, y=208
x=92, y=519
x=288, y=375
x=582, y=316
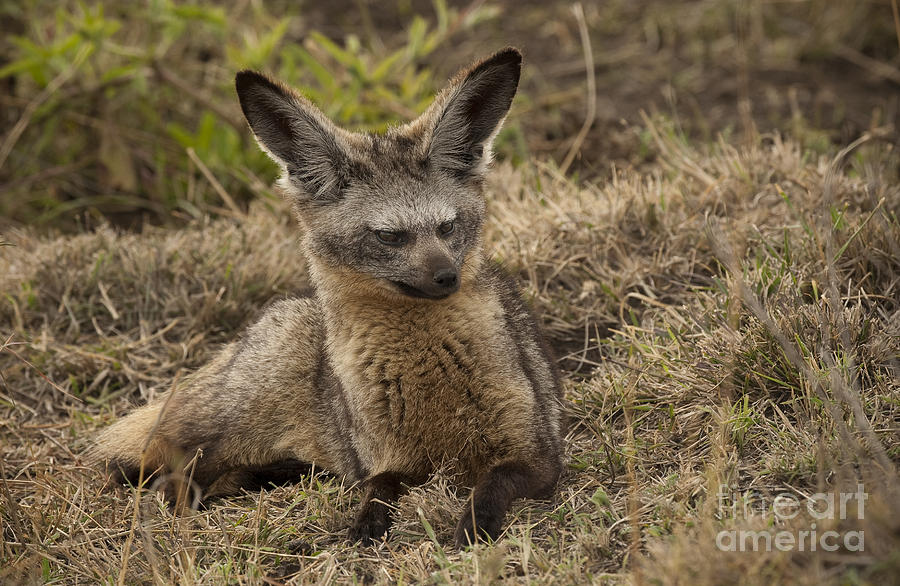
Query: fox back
x=415, y=352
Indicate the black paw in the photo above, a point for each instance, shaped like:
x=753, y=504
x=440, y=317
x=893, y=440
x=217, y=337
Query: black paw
x=369, y=527
x=484, y=527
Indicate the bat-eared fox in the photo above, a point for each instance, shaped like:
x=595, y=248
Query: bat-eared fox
x=415, y=351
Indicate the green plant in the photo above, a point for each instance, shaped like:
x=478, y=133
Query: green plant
x=124, y=112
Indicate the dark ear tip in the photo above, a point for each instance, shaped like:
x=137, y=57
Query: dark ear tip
x=248, y=78
x=243, y=77
x=509, y=58
x=510, y=55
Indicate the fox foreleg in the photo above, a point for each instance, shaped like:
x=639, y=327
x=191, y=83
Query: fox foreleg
x=495, y=492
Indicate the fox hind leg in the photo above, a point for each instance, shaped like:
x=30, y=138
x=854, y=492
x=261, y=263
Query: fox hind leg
x=209, y=482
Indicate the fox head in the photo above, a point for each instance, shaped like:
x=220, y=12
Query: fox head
x=396, y=214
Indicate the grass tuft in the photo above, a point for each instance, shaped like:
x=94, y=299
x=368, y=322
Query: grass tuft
x=729, y=319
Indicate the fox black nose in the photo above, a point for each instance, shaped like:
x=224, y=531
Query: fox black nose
x=446, y=278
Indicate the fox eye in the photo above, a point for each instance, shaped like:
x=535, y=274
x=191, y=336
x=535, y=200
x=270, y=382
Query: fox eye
x=390, y=238
x=446, y=228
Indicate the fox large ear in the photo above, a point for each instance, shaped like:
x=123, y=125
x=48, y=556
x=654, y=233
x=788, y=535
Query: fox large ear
x=295, y=134
x=472, y=113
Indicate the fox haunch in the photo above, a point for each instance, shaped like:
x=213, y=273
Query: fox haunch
x=414, y=352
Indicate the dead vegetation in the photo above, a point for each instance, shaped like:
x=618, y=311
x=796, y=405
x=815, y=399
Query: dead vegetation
x=729, y=319
x=725, y=316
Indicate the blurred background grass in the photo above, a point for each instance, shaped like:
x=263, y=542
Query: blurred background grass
x=125, y=113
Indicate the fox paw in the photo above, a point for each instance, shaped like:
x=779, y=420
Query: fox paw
x=484, y=527
x=369, y=528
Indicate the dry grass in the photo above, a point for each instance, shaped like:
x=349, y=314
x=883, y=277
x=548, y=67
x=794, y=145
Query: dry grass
x=705, y=338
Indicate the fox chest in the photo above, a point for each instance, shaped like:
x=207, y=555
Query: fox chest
x=424, y=400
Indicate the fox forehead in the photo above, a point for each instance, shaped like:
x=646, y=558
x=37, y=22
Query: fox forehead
x=410, y=204
x=408, y=213
x=393, y=187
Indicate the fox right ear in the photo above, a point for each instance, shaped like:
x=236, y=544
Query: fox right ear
x=471, y=111
x=295, y=134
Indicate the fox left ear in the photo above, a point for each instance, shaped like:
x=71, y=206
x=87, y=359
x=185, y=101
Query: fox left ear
x=295, y=134
x=471, y=111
